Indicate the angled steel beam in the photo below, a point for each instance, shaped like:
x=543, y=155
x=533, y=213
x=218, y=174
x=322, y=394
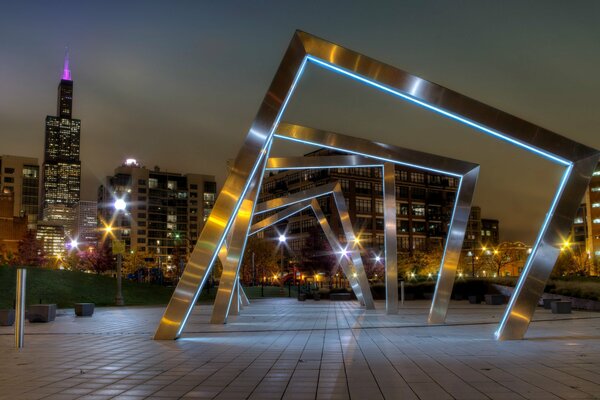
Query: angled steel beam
x=321, y=162
x=233, y=257
x=335, y=189
x=331, y=238
x=467, y=173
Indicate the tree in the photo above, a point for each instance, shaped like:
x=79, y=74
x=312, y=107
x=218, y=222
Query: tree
x=135, y=260
x=265, y=259
x=31, y=252
x=505, y=254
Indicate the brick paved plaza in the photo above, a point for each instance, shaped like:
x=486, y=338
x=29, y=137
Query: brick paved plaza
x=281, y=348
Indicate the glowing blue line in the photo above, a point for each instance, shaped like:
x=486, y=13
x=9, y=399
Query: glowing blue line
x=440, y=110
x=447, y=241
x=254, y=202
x=326, y=166
x=279, y=220
x=525, y=272
x=243, y=194
x=439, y=171
x=294, y=202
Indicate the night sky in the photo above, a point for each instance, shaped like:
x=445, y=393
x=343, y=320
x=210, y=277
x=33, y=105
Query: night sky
x=177, y=85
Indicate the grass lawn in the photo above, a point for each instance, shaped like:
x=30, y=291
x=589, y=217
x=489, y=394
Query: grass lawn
x=67, y=287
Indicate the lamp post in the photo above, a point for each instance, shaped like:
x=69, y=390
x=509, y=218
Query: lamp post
x=119, y=205
x=282, y=239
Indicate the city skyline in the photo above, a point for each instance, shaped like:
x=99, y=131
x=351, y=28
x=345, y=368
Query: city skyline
x=134, y=94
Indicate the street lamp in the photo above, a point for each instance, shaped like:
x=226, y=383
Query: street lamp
x=119, y=205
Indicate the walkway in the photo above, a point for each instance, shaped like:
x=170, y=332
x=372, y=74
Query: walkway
x=281, y=348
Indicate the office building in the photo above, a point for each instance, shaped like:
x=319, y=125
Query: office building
x=85, y=230
x=165, y=210
x=61, y=183
x=20, y=176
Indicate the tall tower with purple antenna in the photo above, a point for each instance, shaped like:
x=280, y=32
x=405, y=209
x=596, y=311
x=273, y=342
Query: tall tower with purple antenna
x=62, y=166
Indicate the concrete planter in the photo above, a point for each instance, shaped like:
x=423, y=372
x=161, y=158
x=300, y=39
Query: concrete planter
x=475, y=299
x=42, y=313
x=547, y=303
x=494, y=299
x=577, y=303
x=340, y=297
x=561, y=307
x=84, y=309
x=7, y=317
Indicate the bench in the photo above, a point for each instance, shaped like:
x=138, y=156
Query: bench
x=340, y=297
x=494, y=299
x=561, y=307
x=41, y=313
x=7, y=317
x=84, y=309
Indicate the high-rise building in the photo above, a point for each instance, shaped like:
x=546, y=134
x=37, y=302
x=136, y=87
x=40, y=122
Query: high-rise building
x=62, y=167
x=20, y=176
x=165, y=210
x=85, y=230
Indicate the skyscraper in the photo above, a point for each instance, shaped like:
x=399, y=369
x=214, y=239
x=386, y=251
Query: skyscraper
x=62, y=166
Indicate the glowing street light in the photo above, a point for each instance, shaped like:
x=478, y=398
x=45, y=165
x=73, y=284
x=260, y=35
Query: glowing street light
x=282, y=238
x=377, y=259
x=120, y=205
x=74, y=244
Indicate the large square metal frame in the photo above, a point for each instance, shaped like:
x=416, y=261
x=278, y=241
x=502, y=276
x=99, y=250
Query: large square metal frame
x=238, y=196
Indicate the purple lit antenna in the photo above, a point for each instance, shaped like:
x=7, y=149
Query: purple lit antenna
x=66, y=75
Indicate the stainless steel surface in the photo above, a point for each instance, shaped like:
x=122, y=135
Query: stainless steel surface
x=541, y=262
x=294, y=198
x=454, y=242
x=20, y=307
x=331, y=238
x=402, y=292
x=244, y=297
x=390, y=238
x=467, y=172
x=575, y=157
x=362, y=292
x=277, y=163
x=244, y=168
x=231, y=258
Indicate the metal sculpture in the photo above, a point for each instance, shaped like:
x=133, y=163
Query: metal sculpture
x=240, y=188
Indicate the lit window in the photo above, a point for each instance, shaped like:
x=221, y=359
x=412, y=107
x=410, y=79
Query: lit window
x=596, y=173
x=596, y=220
x=596, y=205
x=596, y=189
x=578, y=220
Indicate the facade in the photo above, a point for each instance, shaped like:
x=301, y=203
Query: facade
x=85, y=230
x=424, y=204
x=52, y=236
x=12, y=228
x=585, y=231
x=165, y=210
x=592, y=201
x=61, y=184
x=21, y=177
x=481, y=232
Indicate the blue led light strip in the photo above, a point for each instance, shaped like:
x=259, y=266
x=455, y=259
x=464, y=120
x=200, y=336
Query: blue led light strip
x=439, y=110
x=246, y=186
x=534, y=249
